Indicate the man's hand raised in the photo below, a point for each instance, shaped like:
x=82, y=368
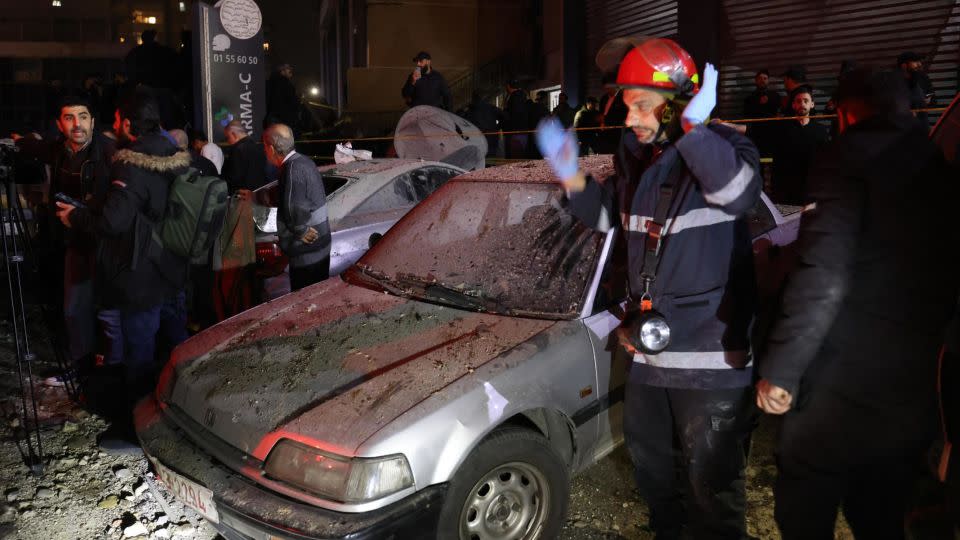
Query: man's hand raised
x=559, y=147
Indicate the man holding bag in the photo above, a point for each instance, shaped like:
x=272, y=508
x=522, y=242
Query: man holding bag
x=302, y=213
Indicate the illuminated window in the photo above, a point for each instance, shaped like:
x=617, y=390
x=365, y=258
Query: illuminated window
x=141, y=18
x=56, y=3
x=183, y=7
x=266, y=45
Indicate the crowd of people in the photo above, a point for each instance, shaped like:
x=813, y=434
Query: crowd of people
x=791, y=144
x=123, y=297
x=858, y=410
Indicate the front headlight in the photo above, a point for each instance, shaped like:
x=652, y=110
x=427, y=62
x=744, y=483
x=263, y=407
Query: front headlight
x=339, y=478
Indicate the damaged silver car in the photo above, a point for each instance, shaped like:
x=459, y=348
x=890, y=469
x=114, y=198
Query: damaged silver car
x=446, y=387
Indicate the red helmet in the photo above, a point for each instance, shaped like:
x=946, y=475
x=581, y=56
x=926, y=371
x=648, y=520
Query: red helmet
x=650, y=62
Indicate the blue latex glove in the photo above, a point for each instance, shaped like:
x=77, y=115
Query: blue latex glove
x=559, y=148
x=698, y=110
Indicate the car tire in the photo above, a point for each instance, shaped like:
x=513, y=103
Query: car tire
x=513, y=486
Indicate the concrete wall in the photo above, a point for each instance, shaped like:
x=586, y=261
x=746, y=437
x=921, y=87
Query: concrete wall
x=399, y=30
x=505, y=27
x=552, y=42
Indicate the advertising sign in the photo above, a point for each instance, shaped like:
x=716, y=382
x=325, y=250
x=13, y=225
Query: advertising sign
x=228, y=57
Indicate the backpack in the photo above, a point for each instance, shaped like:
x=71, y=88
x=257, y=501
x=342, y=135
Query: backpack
x=193, y=218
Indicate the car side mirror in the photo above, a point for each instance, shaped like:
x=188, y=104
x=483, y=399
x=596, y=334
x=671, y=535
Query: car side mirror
x=374, y=238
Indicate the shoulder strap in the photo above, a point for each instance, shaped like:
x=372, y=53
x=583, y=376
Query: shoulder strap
x=676, y=183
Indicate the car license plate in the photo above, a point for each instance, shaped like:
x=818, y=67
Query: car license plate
x=188, y=492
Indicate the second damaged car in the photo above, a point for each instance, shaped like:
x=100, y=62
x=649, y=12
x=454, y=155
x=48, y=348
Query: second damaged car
x=446, y=387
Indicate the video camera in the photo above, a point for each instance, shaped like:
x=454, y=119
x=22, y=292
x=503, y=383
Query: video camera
x=8, y=152
x=19, y=167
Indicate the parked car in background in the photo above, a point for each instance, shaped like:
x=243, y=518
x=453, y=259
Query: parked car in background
x=446, y=387
x=364, y=198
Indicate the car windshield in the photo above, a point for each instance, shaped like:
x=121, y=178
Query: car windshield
x=501, y=247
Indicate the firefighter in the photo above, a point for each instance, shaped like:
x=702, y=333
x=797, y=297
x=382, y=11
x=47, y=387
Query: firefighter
x=680, y=195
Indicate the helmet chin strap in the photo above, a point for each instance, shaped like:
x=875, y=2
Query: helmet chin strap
x=667, y=117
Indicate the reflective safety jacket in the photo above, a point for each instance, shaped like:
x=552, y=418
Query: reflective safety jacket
x=705, y=284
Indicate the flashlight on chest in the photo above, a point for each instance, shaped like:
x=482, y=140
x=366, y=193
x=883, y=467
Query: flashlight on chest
x=650, y=332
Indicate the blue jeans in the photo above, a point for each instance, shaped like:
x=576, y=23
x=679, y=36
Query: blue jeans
x=139, y=333
x=78, y=304
x=111, y=337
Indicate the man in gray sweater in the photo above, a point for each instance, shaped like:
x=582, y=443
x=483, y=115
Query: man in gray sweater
x=302, y=212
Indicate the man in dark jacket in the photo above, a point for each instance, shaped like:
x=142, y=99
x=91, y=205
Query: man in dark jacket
x=425, y=85
x=245, y=166
x=282, y=100
x=136, y=278
x=515, y=118
x=485, y=116
x=302, y=213
x=918, y=83
x=563, y=111
x=80, y=164
x=696, y=268
x=793, y=145
x=537, y=110
x=852, y=358
x=151, y=63
x=762, y=102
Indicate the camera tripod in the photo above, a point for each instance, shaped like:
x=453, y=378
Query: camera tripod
x=15, y=241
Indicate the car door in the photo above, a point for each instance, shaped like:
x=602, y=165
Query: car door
x=611, y=360
x=367, y=223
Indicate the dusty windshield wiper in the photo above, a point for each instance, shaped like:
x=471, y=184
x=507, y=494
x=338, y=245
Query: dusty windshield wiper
x=457, y=296
x=380, y=279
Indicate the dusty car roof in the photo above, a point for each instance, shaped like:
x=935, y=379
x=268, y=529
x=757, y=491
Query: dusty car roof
x=375, y=166
x=600, y=167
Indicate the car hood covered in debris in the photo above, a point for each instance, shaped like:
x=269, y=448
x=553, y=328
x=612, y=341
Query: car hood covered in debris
x=332, y=364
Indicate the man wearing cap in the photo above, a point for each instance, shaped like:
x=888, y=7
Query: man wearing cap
x=426, y=86
x=918, y=83
x=794, y=76
x=680, y=196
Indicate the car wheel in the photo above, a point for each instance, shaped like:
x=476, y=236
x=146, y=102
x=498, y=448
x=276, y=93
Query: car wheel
x=513, y=486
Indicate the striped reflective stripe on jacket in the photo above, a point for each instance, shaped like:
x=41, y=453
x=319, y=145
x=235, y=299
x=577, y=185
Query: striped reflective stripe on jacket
x=698, y=217
x=696, y=360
